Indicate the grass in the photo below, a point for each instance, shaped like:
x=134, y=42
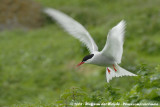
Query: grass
x=38, y=66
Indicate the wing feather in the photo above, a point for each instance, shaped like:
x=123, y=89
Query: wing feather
x=73, y=27
x=114, y=43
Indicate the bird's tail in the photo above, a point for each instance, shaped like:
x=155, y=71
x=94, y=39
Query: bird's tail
x=117, y=72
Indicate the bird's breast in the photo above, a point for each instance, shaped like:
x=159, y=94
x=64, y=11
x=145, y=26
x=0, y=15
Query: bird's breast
x=102, y=60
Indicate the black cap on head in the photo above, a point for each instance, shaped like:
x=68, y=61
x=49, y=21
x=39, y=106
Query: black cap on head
x=87, y=57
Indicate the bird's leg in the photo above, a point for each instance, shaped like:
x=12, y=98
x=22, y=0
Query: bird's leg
x=114, y=68
x=108, y=70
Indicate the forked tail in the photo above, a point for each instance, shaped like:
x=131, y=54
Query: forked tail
x=119, y=72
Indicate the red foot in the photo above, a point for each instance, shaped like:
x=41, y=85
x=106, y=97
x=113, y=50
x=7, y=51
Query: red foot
x=108, y=70
x=114, y=68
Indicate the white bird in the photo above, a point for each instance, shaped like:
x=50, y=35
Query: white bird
x=111, y=54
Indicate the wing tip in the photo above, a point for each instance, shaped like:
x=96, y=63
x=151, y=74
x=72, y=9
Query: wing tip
x=122, y=23
x=46, y=10
x=51, y=11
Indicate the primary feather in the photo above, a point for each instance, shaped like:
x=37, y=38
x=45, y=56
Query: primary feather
x=73, y=27
x=114, y=43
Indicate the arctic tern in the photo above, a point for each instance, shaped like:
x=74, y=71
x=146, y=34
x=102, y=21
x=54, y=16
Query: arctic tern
x=111, y=54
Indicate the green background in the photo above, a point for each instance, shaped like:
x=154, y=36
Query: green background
x=38, y=66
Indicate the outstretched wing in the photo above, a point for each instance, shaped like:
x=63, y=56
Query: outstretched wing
x=73, y=27
x=114, y=44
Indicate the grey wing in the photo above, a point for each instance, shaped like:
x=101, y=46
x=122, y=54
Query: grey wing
x=73, y=27
x=114, y=43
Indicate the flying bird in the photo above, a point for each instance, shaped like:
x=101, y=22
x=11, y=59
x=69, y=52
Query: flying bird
x=109, y=57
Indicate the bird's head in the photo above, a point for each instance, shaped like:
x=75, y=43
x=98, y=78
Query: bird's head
x=86, y=59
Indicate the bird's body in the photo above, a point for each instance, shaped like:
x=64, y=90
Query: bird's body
x=111, y=54
x=102, y=60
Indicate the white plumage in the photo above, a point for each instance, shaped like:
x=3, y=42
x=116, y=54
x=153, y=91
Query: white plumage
x=110, y=55
x=74, y=28
x=114, y=43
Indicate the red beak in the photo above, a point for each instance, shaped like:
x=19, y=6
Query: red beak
x=80, y=64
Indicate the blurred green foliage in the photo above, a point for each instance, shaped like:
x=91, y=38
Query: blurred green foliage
x=149, y=46
x=37, y=67
x=145, y=90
